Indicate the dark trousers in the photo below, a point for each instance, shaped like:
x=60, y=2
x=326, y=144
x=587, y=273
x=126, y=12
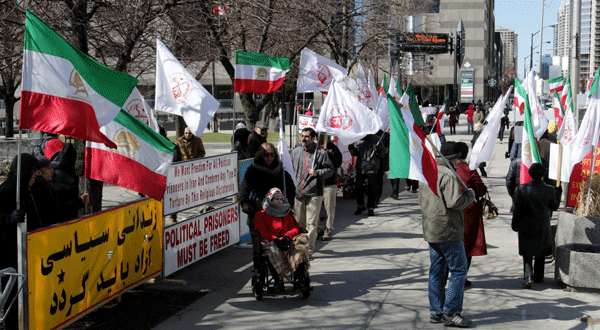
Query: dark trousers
x=533, y=269
x=395, y=186
x=372, y=189
x=452, y=129
x=412, y=184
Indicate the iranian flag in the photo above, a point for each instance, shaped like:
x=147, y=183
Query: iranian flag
x=556, y=84
x=566, y=96
x=139, y=163
x=568, y=125
x=384, y=86
x=259, y=73
x=409, y=156
x=439, y=122
x=529, y=148
x=556, y=88
x=394, y=89
x=64, y=91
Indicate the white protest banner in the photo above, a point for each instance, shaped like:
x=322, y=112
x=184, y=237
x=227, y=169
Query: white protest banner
x=306, y=121
x=189, y=241
x=199, y=181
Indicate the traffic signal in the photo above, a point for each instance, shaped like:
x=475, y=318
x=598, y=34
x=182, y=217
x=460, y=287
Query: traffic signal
x=459, y=45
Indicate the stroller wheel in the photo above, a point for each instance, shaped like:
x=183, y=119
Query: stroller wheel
x=257, y=288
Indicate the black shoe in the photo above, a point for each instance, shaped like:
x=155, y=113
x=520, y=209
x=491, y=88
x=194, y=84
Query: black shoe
x=467, y=283
x=414, y=191
x=371, y=212
x=436, y=318
x=528, y=283
x=395, y=196
x=359, y=210
x=279, y=286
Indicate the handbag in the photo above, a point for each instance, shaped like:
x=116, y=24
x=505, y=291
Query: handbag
x=490, y=211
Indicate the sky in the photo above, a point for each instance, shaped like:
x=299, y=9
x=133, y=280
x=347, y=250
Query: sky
x=524, y=17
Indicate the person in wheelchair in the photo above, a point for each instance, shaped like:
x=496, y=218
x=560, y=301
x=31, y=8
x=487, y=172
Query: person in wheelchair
x=282, y=241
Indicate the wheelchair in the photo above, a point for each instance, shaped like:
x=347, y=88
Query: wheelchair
x=262, y=280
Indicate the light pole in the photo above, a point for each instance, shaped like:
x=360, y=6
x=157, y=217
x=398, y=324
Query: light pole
x=531, y=47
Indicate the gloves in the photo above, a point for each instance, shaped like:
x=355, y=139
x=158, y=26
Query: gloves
x=17, y=216
x=248, y=208
x=283, y=243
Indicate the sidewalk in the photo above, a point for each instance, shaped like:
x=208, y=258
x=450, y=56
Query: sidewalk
x=373, y=275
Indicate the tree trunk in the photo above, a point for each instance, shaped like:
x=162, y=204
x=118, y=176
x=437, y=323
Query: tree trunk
x=179, y=126
x=10, y=101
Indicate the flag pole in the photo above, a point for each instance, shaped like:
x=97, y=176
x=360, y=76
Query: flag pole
x=21, y=246
x=282, y=137
x=559, y=167
x=316, y=149
x=447, y=163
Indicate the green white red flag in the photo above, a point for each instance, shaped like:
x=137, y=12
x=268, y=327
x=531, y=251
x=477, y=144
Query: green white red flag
x=139, y=163
x=529, y=149
x=409, y=156
x=439, y=121
x=64, y=91
x=556, y=88
x=259, y=73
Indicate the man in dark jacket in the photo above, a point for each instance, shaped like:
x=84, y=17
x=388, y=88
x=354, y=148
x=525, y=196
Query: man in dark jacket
x=330, y=186
x=443, y=230
x=35, y=202
x=368, y=154
x=531, y=219
x=311, y=166
x=257, y=138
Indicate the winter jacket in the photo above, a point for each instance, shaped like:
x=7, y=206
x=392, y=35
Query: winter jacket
x=257, y=182
x=335, y=155
x=256, y=140
x=240, y=143
x=479, y=117
x=443, y=216
x=271, y=227
x=369, y=151
x=191, y=149
x=531, y=217
x=302, y=162
x=469, y=113
x=513, y=177
x=65, y=185
x=474, y=239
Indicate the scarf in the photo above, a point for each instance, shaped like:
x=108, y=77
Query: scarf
x=274, y=209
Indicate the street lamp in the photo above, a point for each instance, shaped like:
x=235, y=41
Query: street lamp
x=531, y=48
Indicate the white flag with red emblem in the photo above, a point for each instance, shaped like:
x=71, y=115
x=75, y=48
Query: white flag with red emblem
x=179, y=93
x=317, y=72
x=366, y=95
x=344, y=116
x=137, y=106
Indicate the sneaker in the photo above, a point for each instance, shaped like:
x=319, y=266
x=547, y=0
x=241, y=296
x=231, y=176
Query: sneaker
x=457, y=321
x=326, y=238
x=436, y=318
x=528, y=283
x=359, y=210
x=395, y=196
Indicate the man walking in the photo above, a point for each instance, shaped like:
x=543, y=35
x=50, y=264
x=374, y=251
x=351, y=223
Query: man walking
x=312, y=166
x=330, y=186
x=368, y=152
x=443, y=229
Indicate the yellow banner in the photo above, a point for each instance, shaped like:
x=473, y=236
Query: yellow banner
x=77, y=265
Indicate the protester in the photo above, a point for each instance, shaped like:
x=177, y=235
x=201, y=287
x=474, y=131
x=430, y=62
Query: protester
x=533, y=202
x=474, y=239
x=479, y=116
x=35, y=201
x=513, y=179
x=443, y=230
x=458, y=109
x=257, y=138
x=65, y=184
x=240, y=143
x=469, y=112
x=368, y=152
x=308, y=112
x=395, y=188
x=503, y=125
x=190, y=146
x=385, y=161
x=330, y=186
x=266, y=171
x=282, y=241
x=452, y=120
x=311, y=166
x=478, y=130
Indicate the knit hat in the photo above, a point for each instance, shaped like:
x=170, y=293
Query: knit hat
x=274, y=192
x=537, y=171
x=450, y=150
x=46, y=163
x=464, y=150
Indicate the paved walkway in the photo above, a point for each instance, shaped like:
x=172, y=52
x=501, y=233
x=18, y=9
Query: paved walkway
x=373, y=275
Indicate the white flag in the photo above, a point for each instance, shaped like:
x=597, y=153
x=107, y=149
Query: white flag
x=382, y=110
x=584, y=140
x=365, y=94
x=179, y=93
x=484, y=146
x=317, y=72
x=568, y=129
x=137, y=106
x=284, y=153
x=373, y=89
x=538, y=119
x=344, y=116
x=393, y=89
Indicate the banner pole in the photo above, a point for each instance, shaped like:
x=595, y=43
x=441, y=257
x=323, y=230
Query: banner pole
x=21, y=246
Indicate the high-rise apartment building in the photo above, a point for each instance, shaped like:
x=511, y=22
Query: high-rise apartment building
x=510, y=40
x=562, y=35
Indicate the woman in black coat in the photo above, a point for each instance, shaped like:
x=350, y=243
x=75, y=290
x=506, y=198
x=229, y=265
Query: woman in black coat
x=533, y=202
x=265, y=173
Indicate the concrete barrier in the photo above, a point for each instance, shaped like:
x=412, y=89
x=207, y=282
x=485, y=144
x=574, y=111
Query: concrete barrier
x=578, y=265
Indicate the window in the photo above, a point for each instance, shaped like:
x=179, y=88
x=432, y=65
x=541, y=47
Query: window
x=435, y=7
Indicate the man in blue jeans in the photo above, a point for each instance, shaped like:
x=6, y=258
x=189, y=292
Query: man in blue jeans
x=443, y=229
